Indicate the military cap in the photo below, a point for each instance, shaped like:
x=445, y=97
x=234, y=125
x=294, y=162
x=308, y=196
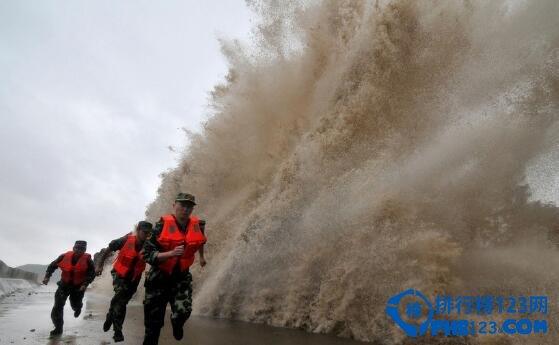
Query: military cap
x=145, y=226
x=80, y=244
x=185, y=197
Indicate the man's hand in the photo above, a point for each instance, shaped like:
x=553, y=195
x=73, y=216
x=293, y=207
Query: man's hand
x=45, y=280
x=203, y=262
x=98, y=271
x=178, y=251
x=83, y=287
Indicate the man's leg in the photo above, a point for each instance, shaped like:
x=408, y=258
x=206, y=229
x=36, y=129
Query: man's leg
x=76, y=300
x=123, y=293
x=57, y=313
x=181, y=304
x=110, y=315
x=155, y=302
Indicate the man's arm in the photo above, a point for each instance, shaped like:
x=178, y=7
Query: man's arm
x=201, y=250
x=90, y=274
x=152, y=250
x=114, y=245
x=51, y=268
x=151, y=246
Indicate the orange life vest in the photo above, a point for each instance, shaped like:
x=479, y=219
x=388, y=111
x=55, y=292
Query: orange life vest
x=74, y=274
x=129, y=259
x=171, y=237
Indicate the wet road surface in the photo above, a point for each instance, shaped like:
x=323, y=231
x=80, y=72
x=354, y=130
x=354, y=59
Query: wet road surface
x=25, y=319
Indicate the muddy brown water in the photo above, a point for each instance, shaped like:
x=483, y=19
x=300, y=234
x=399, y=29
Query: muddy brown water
x=25, y=319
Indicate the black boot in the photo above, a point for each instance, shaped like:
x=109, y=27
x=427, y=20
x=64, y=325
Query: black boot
x=177, y=329
x=56, y=331
x=118, y=336
x=108, y=323
x=152, y=339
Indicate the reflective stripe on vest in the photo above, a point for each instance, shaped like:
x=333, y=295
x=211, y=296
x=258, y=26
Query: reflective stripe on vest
x=74, y=274
x=171, y=237
x=129, y=259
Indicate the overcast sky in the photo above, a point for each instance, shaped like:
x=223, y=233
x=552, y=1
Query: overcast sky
x=92, y=93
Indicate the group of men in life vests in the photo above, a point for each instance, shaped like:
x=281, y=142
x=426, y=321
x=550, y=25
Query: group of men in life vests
x=169, y=248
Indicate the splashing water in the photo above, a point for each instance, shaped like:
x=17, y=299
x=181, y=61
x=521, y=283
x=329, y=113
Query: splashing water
x=362, y=148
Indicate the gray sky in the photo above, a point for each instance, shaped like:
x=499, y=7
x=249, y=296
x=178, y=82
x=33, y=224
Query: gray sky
x=91, y=95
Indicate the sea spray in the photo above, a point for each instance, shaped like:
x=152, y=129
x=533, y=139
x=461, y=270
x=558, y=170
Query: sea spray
x=361, y=148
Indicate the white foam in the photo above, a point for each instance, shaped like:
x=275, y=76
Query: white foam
x=9, y=285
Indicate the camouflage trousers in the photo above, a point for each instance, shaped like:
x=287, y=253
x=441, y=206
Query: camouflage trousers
x=60, y=297
x=124, y=290
x=160, y=289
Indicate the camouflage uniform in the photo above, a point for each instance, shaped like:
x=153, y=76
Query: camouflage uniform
x=162, y=288
x=66, y=290
x=124, y=288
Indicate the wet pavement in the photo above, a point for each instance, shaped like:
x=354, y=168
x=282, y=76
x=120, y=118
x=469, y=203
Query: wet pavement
x=25, y=319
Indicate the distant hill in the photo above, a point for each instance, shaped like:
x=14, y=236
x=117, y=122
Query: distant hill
x=9, y=272
x=40, y=271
